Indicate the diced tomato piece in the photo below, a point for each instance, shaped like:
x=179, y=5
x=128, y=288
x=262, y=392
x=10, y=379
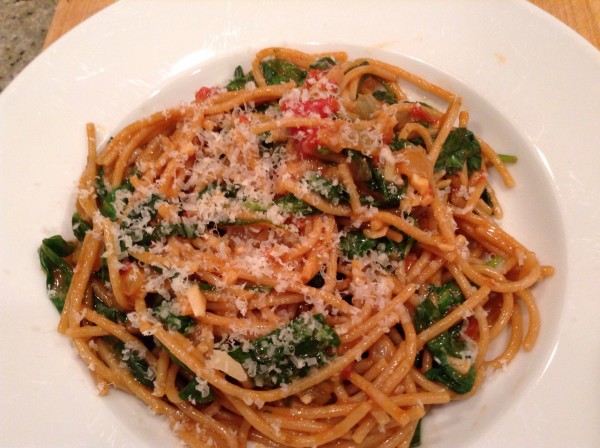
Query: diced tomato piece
x=244, y=119
x=126, y=266
x=204, y=93
x=417, y=113
x=345, y=373
x=479, y=177
x=313, y=77
x=323, y=107
x=306, y=139
x=472, y=330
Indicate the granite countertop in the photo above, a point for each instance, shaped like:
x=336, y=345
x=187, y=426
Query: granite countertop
x=23, y=28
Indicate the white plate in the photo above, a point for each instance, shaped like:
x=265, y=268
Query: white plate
x=531, y=85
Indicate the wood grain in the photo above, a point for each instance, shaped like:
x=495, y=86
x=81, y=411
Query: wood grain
x=581, y=15
x=70, y=13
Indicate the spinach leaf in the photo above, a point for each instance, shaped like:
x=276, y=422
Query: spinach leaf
x=317, y=281
x=385, y=95
x=266, y=145
x=392, y=194
x=174, y=322
x=416, y=439
x=388, y=193
x=110, y=313
x=335, y=193
x=102, y=272
x=324, y=63
x=230, y=191
x=487, y=197
x=80, y=226
x=258, y=288
x=192, y=393
x=449, y=347
x=291, y=205
x=360, y=64
x=460, y=147
x=134, y=360
x=106, y=199
x=183, y=230
x=288, y=352
x=59, y=246
x=399, y=143
x=161, y=309
x=59, y=273
x=182, y=324
x=278, y=71
x=142, y=213
x=356, y=244
x=239, y=79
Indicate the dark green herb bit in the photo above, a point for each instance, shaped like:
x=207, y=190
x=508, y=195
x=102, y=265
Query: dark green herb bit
x=266, y=145
x=136, y=364
x=360, y=64
x=175, y=322
x=258, y=288
x=356, y=244
x=103, y=273
x=400, y=143
x=324, y=63
x=388, y=193
x=183, y=230
x=508, y=158
x=243, y=222
x=106, y=199
x=291, y=205
x=59, y=273
x=391, y=193
x=254, y=206
x=191, y=393
x=448, y=346
x=230, y=191
x=460, y=147
x=317, y=281
x=289, y=352
x=239, y=79
x=419, y=102
x=80, y=226
x=206, y=286
x=416, y=440
x=109, y=312
x=278, y=71
x=385, y=95
x=495, y=261
x=144, y=212
x=161, y=310
x=487, y=197
x=330, y=191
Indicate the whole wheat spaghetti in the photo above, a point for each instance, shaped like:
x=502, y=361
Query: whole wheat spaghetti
x=303, y=257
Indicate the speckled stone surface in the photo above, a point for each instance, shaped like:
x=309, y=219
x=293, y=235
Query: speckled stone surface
x=23, y=28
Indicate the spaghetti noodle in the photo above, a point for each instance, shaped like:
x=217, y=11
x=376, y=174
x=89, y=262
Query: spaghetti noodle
x=305, y=257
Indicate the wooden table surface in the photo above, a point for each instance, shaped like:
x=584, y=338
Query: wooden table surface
x=581, y=15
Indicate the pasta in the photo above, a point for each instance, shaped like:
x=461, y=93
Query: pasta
x=304, y=257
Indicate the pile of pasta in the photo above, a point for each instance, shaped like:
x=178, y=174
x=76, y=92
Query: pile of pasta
x=302, y=257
